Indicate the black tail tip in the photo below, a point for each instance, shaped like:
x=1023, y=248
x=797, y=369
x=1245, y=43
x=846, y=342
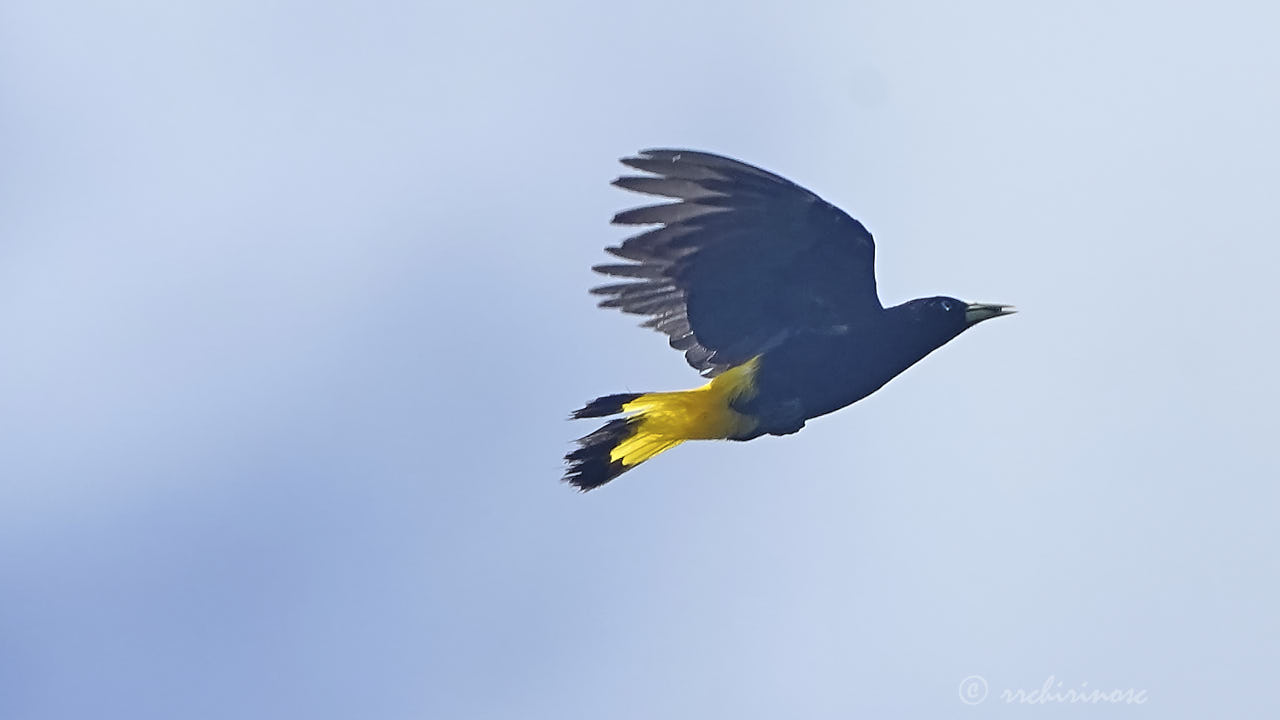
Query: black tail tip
x=590, y=465
x=604, y=406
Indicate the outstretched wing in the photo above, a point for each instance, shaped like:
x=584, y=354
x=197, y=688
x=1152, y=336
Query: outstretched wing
x=743, y=259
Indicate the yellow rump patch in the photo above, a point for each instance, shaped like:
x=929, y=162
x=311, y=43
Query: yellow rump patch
x=664, y=420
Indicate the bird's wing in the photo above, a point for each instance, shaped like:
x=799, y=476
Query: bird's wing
x=743, y=259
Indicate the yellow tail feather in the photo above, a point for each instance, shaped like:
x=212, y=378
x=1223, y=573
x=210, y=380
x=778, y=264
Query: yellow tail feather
x=659, y=422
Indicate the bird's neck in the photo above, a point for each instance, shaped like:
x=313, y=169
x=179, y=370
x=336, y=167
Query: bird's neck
x=907, y=337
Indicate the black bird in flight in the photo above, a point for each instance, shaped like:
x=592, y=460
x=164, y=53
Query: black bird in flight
x=768, y=290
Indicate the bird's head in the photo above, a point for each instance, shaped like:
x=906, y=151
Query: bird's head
x=949, y=315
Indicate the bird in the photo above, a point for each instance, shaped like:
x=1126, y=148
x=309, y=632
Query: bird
x=770, y=293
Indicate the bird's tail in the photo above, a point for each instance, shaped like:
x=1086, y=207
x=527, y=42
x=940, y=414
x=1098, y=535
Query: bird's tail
x=658, y=422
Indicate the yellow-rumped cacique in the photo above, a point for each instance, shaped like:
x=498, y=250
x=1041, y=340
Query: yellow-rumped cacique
x=770, y=291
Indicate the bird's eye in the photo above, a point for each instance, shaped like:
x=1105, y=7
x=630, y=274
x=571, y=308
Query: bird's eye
x=946, y=305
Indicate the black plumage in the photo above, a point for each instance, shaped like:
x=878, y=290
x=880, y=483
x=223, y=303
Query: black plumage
x=747, y=270
x=743, y=259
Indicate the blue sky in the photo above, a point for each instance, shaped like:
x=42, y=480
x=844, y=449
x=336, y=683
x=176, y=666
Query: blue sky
x=294, y=306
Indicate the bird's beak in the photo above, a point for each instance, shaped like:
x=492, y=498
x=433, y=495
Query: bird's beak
x=975, y=313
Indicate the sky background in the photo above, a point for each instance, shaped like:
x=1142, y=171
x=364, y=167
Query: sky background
x=293, y=302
